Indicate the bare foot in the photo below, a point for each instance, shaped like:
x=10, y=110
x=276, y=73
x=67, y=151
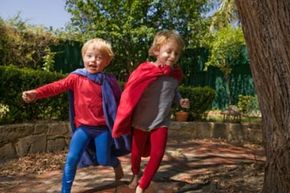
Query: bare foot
x=134, y=182
x=118, y=172
x=139, y=190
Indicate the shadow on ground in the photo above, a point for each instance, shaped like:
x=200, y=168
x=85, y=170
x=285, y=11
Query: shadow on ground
x=197, y=166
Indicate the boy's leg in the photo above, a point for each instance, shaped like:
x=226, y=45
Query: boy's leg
x=158, y=140
x=139, y=139
x=103, y=142
x=78, y=143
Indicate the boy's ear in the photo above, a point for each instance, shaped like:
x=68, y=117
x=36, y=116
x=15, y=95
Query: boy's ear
x=109, y=60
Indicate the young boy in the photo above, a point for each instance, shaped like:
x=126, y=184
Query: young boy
x=146, y=103
x=95, y=96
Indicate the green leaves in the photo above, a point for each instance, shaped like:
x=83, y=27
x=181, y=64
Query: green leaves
x=23, y=45
x=226, y=49
x=14, y=81
x=131, y=25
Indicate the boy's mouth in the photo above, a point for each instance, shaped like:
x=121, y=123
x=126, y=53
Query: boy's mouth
x=93, y=66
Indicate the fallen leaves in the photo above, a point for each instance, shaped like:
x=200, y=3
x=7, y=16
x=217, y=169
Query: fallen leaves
x=34, y=163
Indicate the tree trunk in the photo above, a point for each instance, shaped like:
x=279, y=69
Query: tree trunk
x=266, y=26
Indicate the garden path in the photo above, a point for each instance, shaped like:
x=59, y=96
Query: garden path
x=194, y=166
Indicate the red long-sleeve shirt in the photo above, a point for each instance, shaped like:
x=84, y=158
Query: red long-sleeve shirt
x=87, y=98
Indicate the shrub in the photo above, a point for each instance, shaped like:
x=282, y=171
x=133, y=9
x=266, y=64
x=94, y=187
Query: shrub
x=14, y=81
x=23, y=45
x=201, y=99
x=248, y=104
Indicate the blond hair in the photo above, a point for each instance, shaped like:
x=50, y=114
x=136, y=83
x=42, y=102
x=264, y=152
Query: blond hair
x=100, y=44
x=163, y=37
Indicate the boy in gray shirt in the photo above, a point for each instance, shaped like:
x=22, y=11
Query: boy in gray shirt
x=144, y=109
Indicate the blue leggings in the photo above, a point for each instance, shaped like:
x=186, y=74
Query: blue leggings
x=79, y=141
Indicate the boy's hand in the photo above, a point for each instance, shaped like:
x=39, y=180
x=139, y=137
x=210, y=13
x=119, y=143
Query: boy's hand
x=184, y=103
x=29, y=96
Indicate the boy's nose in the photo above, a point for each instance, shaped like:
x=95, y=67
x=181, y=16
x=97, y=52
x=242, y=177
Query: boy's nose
x=93, y=59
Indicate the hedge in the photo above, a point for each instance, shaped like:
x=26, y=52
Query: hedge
x=13, y=81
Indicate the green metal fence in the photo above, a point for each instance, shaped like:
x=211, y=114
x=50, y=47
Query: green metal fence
x=68, y=58
x=241, y=81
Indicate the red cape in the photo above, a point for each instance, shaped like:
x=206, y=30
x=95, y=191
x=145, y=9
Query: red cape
x=138, y=81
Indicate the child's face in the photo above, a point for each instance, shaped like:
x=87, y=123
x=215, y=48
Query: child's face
x=168, y=53
x=94, y=60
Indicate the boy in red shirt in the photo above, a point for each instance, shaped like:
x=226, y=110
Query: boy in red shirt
x=95, y=96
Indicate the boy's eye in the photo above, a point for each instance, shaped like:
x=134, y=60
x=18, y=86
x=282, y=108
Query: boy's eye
x=170, y=52
x=91, y=55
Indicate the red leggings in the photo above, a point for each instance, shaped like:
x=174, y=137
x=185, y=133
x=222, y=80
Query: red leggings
x=156, y=139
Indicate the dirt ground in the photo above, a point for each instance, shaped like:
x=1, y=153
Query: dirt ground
x=244, y=177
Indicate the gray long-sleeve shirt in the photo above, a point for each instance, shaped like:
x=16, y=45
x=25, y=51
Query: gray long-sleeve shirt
x=153, y=109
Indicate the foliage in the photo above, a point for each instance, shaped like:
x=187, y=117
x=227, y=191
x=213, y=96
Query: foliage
x=222, y=13
x=23, y=45
x=201, y=99
x=14, y=81
x=17, y=80
x=4, y=109
x=48, y=59
x=131, y=25
x=248, y=104
x=227, y=49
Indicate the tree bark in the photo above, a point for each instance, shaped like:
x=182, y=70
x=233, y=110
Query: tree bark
x=266, y=26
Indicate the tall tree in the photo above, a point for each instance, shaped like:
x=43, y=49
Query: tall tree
x=131, y=25
x=267, y=33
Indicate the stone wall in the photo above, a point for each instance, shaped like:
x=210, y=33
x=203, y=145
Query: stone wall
x=235, y=133
x=19, y=140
